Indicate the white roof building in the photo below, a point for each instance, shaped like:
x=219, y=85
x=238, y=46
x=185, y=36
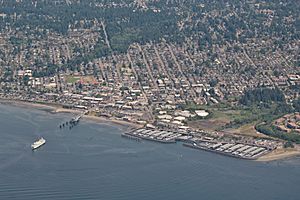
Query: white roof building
x=201, y=113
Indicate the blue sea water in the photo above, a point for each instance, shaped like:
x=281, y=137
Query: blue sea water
x=93, y=161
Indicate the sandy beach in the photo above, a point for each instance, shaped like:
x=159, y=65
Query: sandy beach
x=280, y=154
x=56, y=108
x=102, y=120
x=30, y=104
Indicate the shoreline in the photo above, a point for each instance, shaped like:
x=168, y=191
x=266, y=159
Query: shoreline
x=27, y=104
x=279, y=154
x=117, y=122
x=56, y=108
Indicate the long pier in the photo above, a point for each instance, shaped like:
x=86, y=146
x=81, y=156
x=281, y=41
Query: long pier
x=73, y=122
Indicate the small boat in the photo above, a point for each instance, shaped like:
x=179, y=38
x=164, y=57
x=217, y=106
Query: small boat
x=38, y=143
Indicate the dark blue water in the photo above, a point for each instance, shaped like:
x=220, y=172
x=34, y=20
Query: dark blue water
x=94, y=162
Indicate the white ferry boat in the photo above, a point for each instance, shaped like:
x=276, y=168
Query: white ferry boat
x=38, y=143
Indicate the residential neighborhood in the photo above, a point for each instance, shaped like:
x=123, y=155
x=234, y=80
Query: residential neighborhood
x=115, y=68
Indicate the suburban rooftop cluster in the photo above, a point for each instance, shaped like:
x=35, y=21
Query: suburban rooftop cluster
x=144, y=61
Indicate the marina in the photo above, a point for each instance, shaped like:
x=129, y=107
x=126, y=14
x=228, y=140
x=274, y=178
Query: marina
x=155, y=135
x=131, y=137
x=231, y=149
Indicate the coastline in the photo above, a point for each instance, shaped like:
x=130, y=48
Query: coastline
x=56, y=108
x=27, y=104
x=280, y=154
x=111, y=121
x=275, y=155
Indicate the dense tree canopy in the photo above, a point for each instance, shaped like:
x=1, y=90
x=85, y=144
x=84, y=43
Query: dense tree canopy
x=265, y=95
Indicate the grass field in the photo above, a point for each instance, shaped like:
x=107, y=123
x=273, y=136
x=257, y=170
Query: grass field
x=234, y=120
x=217, y=119
x=247, y=130
x=74, y=79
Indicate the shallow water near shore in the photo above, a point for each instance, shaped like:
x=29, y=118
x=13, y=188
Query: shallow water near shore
x=93, y=161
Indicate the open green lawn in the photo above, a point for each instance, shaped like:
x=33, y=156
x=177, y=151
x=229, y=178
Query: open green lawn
x=234, y=119
x=220, y=115
x=72, y=79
